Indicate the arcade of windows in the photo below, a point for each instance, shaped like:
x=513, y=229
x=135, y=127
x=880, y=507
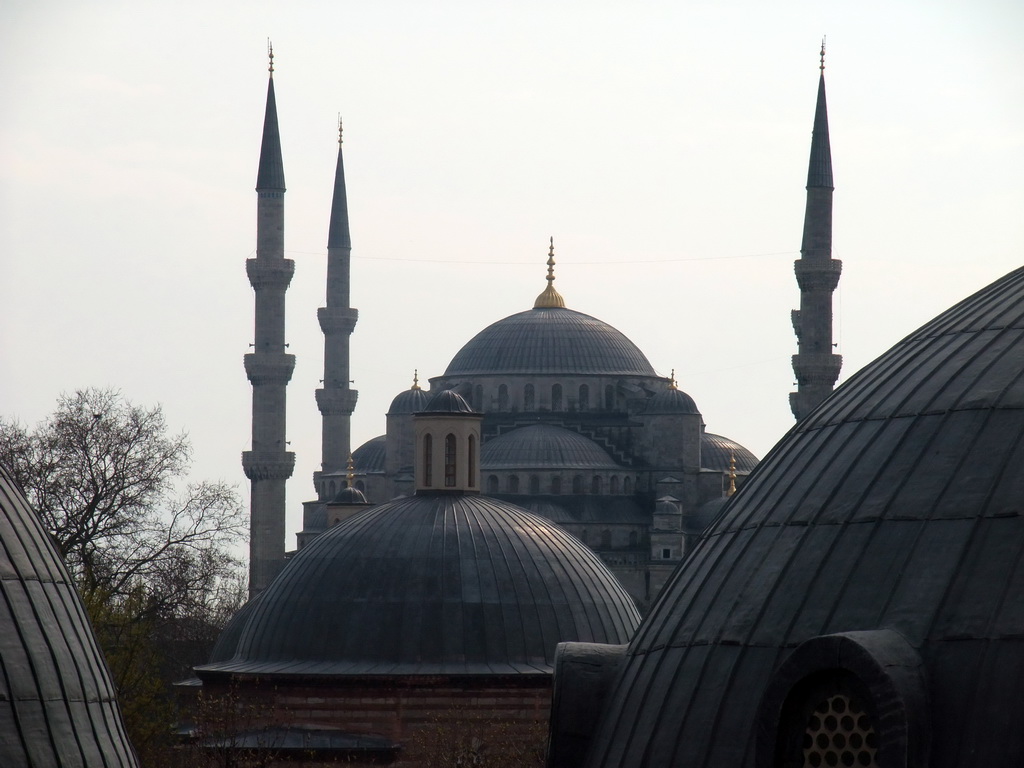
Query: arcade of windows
x=556, y=398
x=553, y=484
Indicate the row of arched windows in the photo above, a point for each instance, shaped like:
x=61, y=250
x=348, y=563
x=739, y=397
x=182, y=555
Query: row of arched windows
x=558, y=399
x=580, y=485
x=451, y=460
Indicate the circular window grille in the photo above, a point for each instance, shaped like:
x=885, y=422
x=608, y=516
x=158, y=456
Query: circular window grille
x=839, y=732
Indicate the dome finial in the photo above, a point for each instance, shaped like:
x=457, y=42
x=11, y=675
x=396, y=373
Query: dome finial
x=339, y=129
x=822, y=53
x=415, y=378
x=673, y=384
x=732, y=474
x=550, y=297
x=270, y=55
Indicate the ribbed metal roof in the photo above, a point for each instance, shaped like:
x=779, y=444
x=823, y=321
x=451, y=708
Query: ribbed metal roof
x=715, y=452
x=447, y=401
x=543, y=446
x=371, y=455
x=896, y=504
x=549, y=340
x=410, y=401
x=671, y=401
x=432, y=584
x=57, y=703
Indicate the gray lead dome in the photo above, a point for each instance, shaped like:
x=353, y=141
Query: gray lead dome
x=550, y=340
x=439, y=584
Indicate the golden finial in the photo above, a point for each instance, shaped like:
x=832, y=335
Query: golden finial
x=823, y=53
x=351, y=472
x=673, y=384
x=415, y=378
x=270, y=54
x=550, y=297
x=732, y=474
x=339, y=129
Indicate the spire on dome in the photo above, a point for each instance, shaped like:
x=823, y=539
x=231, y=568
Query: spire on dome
x=819, y=171
x=673, y=384
x=550, y=298
x=338, y=234
x=415, y=379
x=270, y=175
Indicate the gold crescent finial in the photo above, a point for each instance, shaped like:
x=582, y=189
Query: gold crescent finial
x=550, y=298
x=673, y=384
x=732, y=474
x=270, y=55
x=823, y=53
x=351, y=472
x=339, y=129
x=415, y=378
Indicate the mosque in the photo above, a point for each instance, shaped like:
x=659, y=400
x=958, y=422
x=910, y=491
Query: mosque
x=578, y=427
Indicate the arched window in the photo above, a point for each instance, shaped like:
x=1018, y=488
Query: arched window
x=449, y=461
x=609, y=397
x=503, y=398
x=577, y=484
x=830, y=722
x=606, y=539
x=513, y=483
x=428, y=466
x=528, y=397
x=534, y=484
x=627, y=485
x=360, y=486
x=595, y=484
x=632, y=539
x=556, y=484
x=331, y=491
x=492, y=483
x=584, y=397
x=613, y=484
x=471, y=461
x=556, y=397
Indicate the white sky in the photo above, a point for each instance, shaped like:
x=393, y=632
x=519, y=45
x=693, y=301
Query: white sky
x=663, y=144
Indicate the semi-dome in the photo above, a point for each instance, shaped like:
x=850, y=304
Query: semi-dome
x=544, y=446
x=716, y=452
x=875, y=558
x=371, y=455
x=431, y=584
x=550, y=340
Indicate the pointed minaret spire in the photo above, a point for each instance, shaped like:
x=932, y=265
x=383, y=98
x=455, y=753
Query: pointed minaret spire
x=269, y=368
x=549, y=297
x=336, y=399
x=817, y=273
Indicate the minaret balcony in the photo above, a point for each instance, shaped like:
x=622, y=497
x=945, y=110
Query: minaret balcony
x=336, y=402
x=268, y=465
x=815, y=276
x=269, y=367
x=811, y=369
x=269, y=273
x=337, y=320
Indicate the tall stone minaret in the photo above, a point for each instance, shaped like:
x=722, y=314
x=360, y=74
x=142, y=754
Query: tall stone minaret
x=268, y=465
x=817, y=274
x=336, y=399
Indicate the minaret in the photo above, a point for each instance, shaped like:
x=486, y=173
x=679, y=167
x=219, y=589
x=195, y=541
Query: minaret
x=268, y=465
x=817, y=274
x=336, y=399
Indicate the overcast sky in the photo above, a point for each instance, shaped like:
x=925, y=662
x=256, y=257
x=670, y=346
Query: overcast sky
x=663, y=144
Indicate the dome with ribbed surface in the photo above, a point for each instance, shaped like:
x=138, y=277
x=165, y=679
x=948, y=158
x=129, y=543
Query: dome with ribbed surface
x=447, y=401
x=371, y=455
x=410, y=401
x=894, y=509
x=671, y=401
x=544, y=446
x=550, y=340
x=716, y=451
x=432, y=584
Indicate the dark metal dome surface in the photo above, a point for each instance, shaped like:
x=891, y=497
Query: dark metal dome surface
x=671, y=401
x=552, y=341
x=896, y=505
x=716, y=450
x=57, y=702
x=544, y=446
x=371, y=455
x=447, y=401
x=432, y=584
x=410, y=401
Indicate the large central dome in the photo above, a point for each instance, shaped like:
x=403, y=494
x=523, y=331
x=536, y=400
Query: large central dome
x=551, y=340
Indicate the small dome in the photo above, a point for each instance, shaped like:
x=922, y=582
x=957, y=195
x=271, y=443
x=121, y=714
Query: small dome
x=438, y=584
x=550, y=340
x=715, y=452
x=544, y=446
x=447, y=401
x=410, y=401
x=349, y=495
x=671, y=401
x=370, y=456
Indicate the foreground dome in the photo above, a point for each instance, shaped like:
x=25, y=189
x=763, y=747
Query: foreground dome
x=550, y=340
x=873, y=563
x=430, y=584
